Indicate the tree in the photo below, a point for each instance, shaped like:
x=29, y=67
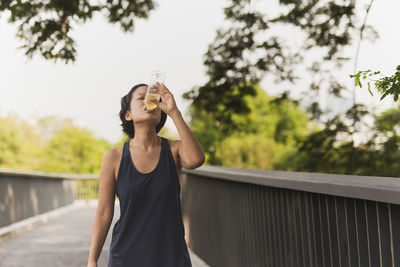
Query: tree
x=386, y=85
x=379, y=156
x=11, y=143
x=387, y=125
x=245, y=51
x=45, y=26
x=74, y=150
x=20, y=146
x=264, y=139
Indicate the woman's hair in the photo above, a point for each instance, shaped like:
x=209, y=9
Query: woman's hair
x=127, y=126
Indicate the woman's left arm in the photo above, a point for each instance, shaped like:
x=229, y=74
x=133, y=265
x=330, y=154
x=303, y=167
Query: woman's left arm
x=190, y=151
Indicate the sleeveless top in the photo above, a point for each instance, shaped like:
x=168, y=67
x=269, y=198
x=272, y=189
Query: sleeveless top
x=150, y=230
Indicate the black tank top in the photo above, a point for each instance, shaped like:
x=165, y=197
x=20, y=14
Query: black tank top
x=150, y=230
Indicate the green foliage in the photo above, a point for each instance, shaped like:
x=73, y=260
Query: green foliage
x=11, y=143
x=277, y=135
x=265, y=136
x=318, y=152
x=387, y=126
x=384, y=85
x=47, y=126
x=74, y=150
x=53, y=145
x=206, y=130
x=45, y=26
x=19, y=144
x=322, y=152
x=251, y=151
x=388, y=122
x=236, y=135
x=246, y=50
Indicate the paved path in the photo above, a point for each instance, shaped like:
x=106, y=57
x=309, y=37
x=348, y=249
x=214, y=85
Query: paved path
x=64, y=241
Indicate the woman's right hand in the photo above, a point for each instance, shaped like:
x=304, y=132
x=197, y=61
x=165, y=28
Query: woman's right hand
x=92, y=264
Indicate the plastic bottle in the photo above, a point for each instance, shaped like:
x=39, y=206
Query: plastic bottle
x=153, y=91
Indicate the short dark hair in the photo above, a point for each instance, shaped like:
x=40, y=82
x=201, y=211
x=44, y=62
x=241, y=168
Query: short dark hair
x=127, y=126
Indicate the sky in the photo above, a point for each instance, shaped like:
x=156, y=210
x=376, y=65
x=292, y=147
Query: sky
x=174, y=40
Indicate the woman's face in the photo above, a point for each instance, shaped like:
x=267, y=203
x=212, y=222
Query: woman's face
x=138, y=112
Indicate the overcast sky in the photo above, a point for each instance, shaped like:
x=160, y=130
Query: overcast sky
x=174, y=39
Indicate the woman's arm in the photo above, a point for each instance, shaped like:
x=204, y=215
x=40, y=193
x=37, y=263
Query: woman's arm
x=190, y=152
x=189, y=149
x=105, y=207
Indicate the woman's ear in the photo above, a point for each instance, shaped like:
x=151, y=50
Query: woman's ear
x=128, y=116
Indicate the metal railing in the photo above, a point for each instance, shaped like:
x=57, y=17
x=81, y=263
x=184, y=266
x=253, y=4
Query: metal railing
x=240, y=217
x=87, y=188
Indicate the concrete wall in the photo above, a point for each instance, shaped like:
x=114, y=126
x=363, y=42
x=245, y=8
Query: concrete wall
x=24, y=194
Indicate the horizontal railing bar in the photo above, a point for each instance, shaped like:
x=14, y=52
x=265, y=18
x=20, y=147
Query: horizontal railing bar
x=40, y=174
x=376, y=188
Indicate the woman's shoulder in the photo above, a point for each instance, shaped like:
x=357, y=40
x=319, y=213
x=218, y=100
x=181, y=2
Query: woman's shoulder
x=114, y=156
x=115, y=153
x=173, y=143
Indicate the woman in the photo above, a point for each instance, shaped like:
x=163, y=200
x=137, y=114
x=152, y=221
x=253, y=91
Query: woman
x=143, y=172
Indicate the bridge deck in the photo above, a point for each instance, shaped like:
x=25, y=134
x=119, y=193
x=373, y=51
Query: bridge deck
x=64, y=241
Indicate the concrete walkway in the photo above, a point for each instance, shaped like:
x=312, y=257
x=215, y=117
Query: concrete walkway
x=63, y=241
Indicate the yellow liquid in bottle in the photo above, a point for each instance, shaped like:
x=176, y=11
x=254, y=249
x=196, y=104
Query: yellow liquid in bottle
x=150, y=105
